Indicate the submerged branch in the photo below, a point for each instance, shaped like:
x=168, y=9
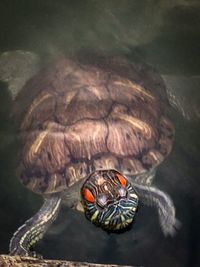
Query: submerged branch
x=17, y=261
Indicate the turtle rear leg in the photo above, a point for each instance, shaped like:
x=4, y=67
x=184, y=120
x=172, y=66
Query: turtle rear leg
x=34, y=228
x=162, y=201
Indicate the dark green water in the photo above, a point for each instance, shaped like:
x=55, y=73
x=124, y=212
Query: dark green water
x=161, y=33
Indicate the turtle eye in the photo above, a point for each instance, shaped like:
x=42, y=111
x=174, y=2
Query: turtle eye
x=87, y=194
x=121, y=179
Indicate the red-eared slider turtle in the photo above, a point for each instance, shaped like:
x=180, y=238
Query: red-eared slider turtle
x=95, y=133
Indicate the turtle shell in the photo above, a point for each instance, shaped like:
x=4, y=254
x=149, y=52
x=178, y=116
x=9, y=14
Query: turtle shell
x=77, y=116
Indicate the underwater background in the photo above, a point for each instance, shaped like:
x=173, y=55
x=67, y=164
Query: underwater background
x=164, y=34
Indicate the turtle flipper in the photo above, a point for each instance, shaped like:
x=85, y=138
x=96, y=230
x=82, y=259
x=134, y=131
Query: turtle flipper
x=183, y=94
x=167, y=214
x=34, y=228
x=16, y=68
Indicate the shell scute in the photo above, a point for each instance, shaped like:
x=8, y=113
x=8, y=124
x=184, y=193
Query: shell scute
x=86, y=138
x=132, y=166
x=76, y=171
x=74, y=106
x=106, y=162
x=40, y=110
x=128, y=135
x=81, y=118
x=46, y=184
x=45, y=151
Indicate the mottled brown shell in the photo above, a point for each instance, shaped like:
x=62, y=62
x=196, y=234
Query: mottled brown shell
x=74, y=118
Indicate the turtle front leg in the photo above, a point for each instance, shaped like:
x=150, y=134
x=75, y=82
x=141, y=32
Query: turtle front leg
x=162, y=201
x=34, y=228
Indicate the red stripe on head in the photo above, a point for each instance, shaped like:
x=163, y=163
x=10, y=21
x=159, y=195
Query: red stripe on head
x=87, y=194
x=121, y=179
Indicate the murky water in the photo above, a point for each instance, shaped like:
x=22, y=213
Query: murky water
x=162, y=33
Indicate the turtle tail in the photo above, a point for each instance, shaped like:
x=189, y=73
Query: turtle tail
x=34, y=228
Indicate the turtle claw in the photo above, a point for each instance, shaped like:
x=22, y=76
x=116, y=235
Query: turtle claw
x=167, y=216
x=34, y=254
x=20, y=251
x=170, y=229
x=24, y=253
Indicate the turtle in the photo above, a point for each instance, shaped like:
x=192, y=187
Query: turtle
x=93, y=131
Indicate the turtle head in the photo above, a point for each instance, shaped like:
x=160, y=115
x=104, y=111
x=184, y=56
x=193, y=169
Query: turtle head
x=109, y=199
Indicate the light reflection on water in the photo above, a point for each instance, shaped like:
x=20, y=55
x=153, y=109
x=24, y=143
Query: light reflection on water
x=162, y=34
